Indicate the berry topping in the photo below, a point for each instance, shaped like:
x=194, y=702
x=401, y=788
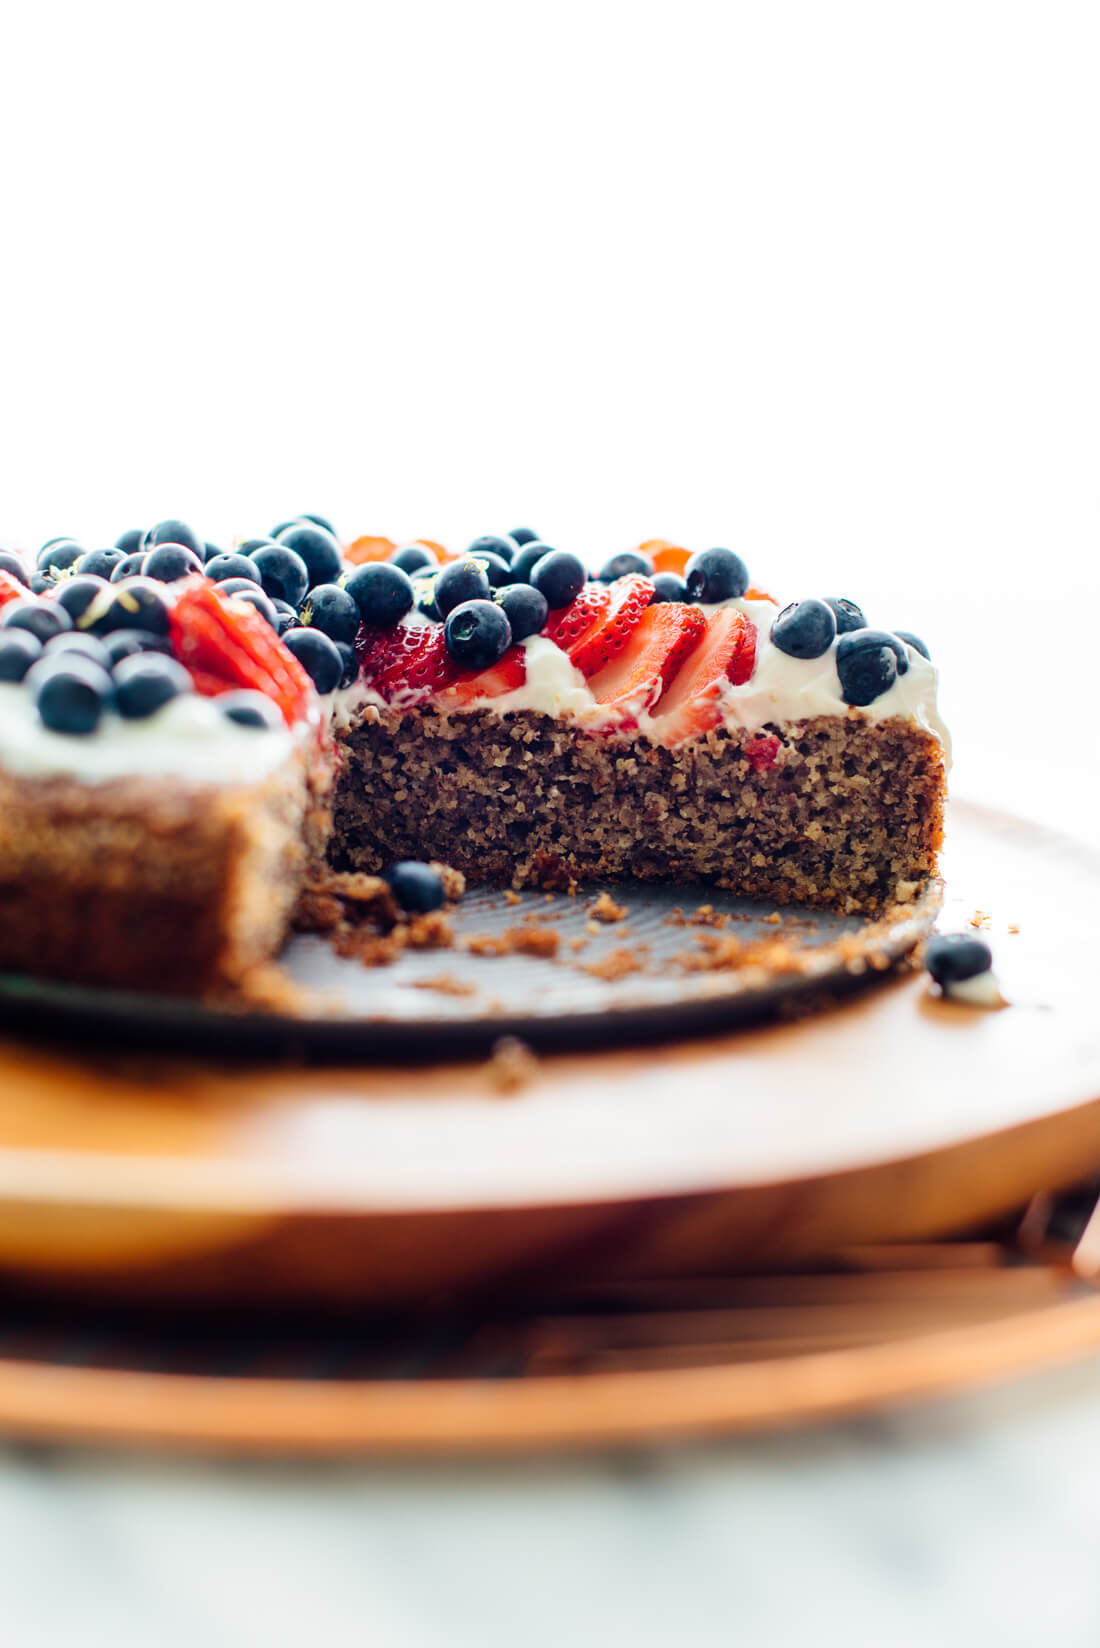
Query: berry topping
x=12, y=588
x=317, y=655
x=382, y=592
x=77, y=594
x=252, y=595
x=867, y=664
x=524, y=535
x=231, y=565
x=525, y=609
x=100, y=563
x=413, y=558
x=804, y=629
x=496, y=568
x=953, y=957
x=125, y=643
x=406, y=663
x=620, y=565
x=526, y=560
x=477, y=634
x=669, y=586
x=662, y=638
x=369, y=549
x=760, y=752
x=716, y=575
x=19, y=649
x=503, y=548
x=249, y=546
x=473, y=685
x=573, y=622
x=913, y=641
x=175, y=532
x=416, y=887
x=71, y=640
x=250, y=709
x=146, y=682
x=167, y=562
x=283, y=572
x=134, y=604
x=726, y=653
x=666, y=557
x=13, y=566
x=630, y=596
x=560, y=576
x=131, y=541
x=129, y=567
x=221, y=640
x=39, y=582
x=424, y=595
x=317, y=547
x=848, y=616
x=333, y=611
x=70, y=693
x=465, y=580
x=349, y=663
x=43, y=619
x=210, y=551
x=58, y=554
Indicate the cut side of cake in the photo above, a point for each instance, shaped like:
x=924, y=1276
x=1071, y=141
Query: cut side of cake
x=184, y=735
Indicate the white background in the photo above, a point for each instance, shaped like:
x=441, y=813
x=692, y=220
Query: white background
x=820, y=282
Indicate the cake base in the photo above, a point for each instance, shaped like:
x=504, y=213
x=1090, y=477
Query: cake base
x=848, y=816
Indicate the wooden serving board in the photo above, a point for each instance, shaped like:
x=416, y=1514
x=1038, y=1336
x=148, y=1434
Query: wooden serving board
x=891, y=1117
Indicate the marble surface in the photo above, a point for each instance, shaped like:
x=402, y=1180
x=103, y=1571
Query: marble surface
x=969, y=1521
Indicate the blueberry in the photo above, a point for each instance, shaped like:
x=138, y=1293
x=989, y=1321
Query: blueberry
x=620, y=565
x=284, y=621
x=412, y=557
x=524, y=535
x=70, y=693
x=137, y=605
x=464, y=580
x=175, y=532
x=75, y=641
x=130, y=542
x=253, y=596
x=716, y=575
x=284, y=607
x=804, y=629
x=130, y=567
x=317, y=548
x=250, y=709
x=223, y=566
x=415, y=886
x=100, y=563
x=209, y=551
x=124, y=643
x=249, y=546
x=526, y=561
x=43, y=619
x=333, y=611
x=295, y=520
x=504, y=548
x=19, y=649
x=525, y=609
x=282, y=572
x=39, y=582
x=13, y=565
x=669, y=586
x=848, y=616
x=913, y=641
x=953, y=957
x=317, y=655
x=867, y=663
x=317, y=520
x=77, y=594
x=560, y=576
x=477, y=634
x=167, y=562
x=496, y=568
x=424, y=596
x=382, y=592
x=349, y=661
x=58, y=554
x=146, y=681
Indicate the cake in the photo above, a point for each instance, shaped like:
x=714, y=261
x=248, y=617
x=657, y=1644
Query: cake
x=186, y=734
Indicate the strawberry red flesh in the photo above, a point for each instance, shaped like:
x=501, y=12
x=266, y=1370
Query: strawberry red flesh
x=692, y=704
x=11, y=589
x=471, y=685
x=406, y=663
x=607, y=638
x=574, y=622
x=663, y=638
x=218, y=638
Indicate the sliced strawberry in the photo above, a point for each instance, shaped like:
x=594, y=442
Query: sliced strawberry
x=666, y=557
x=11, y=589
x=663, y=637
x=760, y=752
x=216, y=636
x=609, y=635
x=572, y=623
x=210, y=686
x=406, y=663
x=470, y=685
x=726, y=653
x=369, y=549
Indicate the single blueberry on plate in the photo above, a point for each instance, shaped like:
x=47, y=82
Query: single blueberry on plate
x=804, y=629
x=44, y=619
x=19, y=649
x=283, y=573
x=465, y=580
x=953, y=957
x=70, y=693
x=231, y=565
x=848, y=616
x=560, y=576
x=525, y=609
x=250, y=709
x=669, y=586
x=413, y=558
x=416, y=887
x=317, y=655
x=175, y=532
x=147, y=681
x=317, y=548
x=628, y=561
x=333, y=611
x=716, y=575
x=867, y=664
x=913, y=641
x=477, y=634
x=167, y=562
x=382, y=592
x=503, y=548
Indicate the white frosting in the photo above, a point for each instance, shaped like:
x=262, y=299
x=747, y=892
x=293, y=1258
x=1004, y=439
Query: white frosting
x=189, y=738
x=982, y=990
